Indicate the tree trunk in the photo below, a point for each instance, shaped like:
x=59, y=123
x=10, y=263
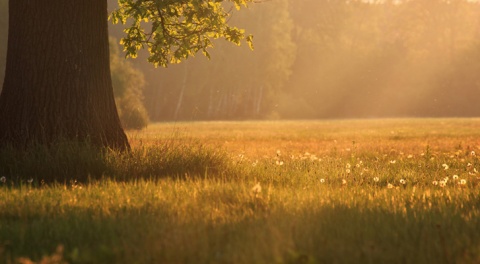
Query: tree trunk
x=57, y=81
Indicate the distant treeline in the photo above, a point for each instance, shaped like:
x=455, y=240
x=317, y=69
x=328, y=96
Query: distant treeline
x=328, y=59
x=331, y=59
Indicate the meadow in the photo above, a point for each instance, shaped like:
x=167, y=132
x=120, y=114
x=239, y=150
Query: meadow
x=334, y=191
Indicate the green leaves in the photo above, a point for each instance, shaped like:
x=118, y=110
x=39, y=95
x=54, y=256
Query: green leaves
x=173, y=30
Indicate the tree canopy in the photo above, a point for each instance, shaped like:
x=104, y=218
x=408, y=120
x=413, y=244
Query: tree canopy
x=173, y=30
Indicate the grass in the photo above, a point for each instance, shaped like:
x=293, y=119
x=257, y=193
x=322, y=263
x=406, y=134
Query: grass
x=331, y=192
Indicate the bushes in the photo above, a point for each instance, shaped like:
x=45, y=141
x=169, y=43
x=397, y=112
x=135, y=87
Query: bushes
x=128, y=85
x=132, y=113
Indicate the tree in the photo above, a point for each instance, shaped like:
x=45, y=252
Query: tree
x=57, y=81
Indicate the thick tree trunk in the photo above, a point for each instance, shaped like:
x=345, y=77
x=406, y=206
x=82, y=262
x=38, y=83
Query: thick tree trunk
x=57, y=81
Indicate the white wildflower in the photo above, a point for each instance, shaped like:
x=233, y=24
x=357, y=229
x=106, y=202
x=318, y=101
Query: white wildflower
x=445, y=166
x=3, y=179
x=402, y=181
x=376, y=179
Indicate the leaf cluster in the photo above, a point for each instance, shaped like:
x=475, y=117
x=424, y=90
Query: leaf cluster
x=173, y=30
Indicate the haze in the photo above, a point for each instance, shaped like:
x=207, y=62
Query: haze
x=327, y=59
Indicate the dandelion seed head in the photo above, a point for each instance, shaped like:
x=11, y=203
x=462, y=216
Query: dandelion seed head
x=463, y=181
x=376, y=179
x=257, y=188
x=403, y=181
x=442, y=183
x=455, y=177
x=322, y=180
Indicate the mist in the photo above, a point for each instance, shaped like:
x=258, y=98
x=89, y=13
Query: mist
x=316, y=59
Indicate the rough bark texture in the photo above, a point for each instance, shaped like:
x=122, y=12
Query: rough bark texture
x=57, y=81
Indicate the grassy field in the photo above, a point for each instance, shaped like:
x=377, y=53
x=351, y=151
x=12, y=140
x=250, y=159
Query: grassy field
x=340, y=191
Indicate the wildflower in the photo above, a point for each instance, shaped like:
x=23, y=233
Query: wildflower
x=279, y=163
x=442, y=183
x=347, y=171
x=322, y=180
x=410, y=156
x=390, y=186
x=376, y=179
x=357, y=165
x=393, y=161
x=402, y=181
x=463, y=181
x=257, y=188
x=3, y=179
x=455, y=177
x=255, y=163
x=472, y=153
x=435, y=183
x=445, y=166
x=30, y=180
x=278, y=152
x=348, y=166
x=469, y=164
x=344, y=182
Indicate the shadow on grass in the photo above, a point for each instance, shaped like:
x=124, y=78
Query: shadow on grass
x=72, y=161
x=155, y=234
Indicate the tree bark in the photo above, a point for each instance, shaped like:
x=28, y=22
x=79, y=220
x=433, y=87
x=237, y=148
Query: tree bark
x=57, y=80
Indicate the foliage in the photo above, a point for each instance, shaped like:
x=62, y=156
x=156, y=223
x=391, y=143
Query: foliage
x=128, y=86
x=289, y=205
x=174, y=30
